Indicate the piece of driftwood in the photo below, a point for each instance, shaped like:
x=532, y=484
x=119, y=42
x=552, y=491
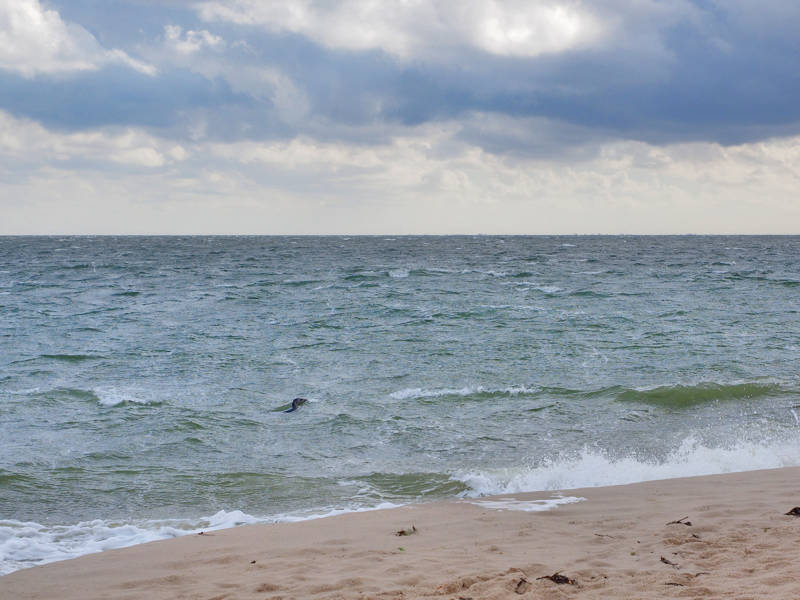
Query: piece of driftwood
x=522, y=586
x=558, y=578
x=681, y=521
x=667, y=561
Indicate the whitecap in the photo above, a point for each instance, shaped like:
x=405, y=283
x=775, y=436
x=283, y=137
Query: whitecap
x=115, y=397
x=592, y=468
x=414, y=393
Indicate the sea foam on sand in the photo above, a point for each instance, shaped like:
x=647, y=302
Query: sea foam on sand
x=700, y=537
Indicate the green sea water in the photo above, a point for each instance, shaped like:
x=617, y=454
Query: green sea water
x=141, y=378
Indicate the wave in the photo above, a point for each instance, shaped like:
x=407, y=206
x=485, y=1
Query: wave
x=680, y=396
x=594, y=468
x=421, y=393
x=410, y=485
x=104, y=396
x=668, y=396
x=25, y=544
x=70, y=357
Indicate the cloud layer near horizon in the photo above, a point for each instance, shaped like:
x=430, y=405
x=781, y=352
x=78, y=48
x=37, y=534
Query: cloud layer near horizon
x=441, y=116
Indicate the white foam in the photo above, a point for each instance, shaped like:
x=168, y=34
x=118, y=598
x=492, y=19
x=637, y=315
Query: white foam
x=332, y=512
x=594, y=468
x=528, y=505
x=414, y=393
x=547, y=289
x=115, y=397
x=27, y=544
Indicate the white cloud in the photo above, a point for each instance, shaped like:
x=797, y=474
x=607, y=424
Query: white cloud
x=530, y=29
x=27, y=141
x=424, y=181
x=35, y=40
x=200, y=51
x=191, y=41
x=416, y=27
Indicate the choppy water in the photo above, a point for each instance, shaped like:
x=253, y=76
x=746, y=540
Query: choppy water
x=140, y=377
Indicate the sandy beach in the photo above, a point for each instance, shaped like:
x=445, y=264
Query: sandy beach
x=719, y=536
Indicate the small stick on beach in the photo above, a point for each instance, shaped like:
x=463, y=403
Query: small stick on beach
x=558, y=578
x=681, y=521
x=666, y=561
x=522, y=586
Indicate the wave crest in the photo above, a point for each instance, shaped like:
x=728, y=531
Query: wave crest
x=593, y=468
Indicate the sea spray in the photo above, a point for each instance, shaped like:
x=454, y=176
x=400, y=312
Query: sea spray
x=593, y=468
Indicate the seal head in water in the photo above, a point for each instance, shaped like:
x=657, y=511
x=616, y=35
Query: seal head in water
x=296, y=403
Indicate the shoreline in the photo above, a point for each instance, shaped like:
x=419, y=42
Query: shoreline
x=740, y=544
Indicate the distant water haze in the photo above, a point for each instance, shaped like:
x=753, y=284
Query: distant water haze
x=144, y=379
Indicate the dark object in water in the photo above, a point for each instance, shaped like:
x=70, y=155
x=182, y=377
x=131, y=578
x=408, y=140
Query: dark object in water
x=558, y=578
x=795, y=512
x=296, y=403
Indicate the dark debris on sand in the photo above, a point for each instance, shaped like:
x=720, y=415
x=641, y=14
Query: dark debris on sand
x=558, y=578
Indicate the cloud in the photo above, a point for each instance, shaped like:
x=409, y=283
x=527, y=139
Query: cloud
x=412, y=29
x=428, y=179
x=35, y=41
x=26, y=142
x=189, y=42
x=560, y=79
x=174, y=100
x=660, y=72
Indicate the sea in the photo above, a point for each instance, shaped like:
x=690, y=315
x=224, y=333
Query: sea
x=143, y=380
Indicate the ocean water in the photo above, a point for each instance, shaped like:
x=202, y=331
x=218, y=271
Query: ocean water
x=142, y=378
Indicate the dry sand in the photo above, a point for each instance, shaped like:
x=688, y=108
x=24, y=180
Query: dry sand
x=617, y=543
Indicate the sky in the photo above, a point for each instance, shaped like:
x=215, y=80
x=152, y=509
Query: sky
x=402, y=117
